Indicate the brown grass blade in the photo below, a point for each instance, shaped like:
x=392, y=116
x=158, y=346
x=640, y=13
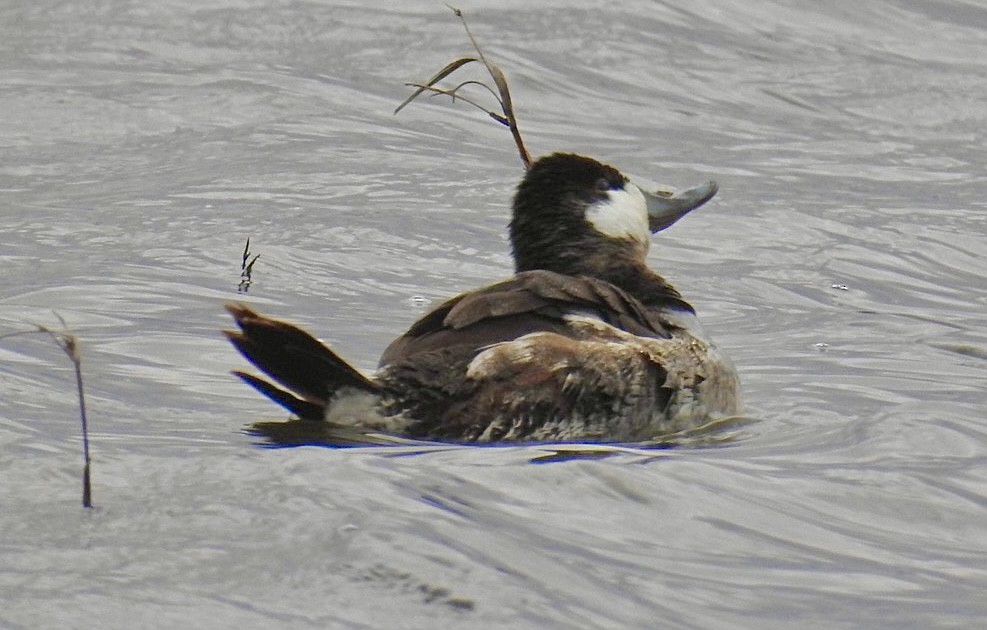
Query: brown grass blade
x=502, y=93
x=500, y=80
x=508, y=106
x=441, y=74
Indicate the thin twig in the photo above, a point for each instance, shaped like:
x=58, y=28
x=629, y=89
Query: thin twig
x=502, y=94
x=69, y=344
x=454, y=92
x=451, y=67
x=246, y=268
x=454, y=95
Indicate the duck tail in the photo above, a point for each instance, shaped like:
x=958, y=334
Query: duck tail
x=310, y=371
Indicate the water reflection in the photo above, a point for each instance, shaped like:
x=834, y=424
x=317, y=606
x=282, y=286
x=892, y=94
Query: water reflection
x=295, y=432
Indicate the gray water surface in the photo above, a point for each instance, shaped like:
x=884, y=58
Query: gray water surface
x=842, y=266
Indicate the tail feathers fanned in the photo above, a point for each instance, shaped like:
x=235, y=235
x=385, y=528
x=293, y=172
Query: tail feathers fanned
x=293, y=358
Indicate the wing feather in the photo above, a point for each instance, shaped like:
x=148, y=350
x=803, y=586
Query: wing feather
x=533, y=300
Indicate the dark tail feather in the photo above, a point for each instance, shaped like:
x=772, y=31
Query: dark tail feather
x=294, y=359
x=301, y=408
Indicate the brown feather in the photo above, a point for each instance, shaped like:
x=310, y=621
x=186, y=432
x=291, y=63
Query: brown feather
x=292, y=357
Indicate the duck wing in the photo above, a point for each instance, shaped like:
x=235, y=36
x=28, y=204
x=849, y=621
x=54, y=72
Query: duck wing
x=540, y=356
x=531, y=301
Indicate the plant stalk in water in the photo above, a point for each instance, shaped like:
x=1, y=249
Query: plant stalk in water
x=69, y=344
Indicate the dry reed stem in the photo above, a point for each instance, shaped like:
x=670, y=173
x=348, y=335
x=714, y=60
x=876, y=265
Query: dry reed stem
x=69, y=344
x=502, y=94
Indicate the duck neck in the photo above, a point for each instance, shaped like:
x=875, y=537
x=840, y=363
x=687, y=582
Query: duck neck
x=629, y=273
x=640, y=281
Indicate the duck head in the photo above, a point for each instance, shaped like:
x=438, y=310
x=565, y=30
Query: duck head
x=575, y=215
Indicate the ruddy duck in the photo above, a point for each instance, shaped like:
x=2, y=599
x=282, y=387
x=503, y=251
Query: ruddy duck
x=584, y=343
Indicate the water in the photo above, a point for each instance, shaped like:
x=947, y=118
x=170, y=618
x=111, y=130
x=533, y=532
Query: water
x=841, y=266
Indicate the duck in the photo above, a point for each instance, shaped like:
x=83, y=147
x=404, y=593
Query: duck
x=584, y=343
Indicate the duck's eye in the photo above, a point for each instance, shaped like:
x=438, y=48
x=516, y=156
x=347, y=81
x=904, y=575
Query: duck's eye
x=603, y=185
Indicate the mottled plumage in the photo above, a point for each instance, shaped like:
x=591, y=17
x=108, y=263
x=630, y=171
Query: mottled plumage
x=584, y=342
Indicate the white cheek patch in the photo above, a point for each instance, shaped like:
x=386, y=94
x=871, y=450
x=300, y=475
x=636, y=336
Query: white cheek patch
x=624, y=214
